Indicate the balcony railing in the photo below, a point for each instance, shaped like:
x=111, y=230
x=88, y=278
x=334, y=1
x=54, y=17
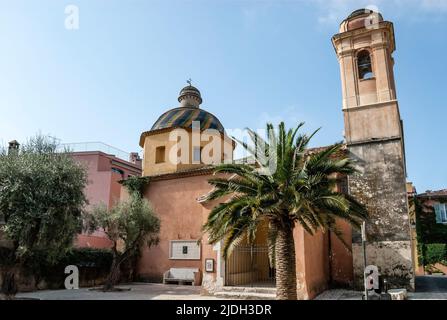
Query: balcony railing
x=95, y=146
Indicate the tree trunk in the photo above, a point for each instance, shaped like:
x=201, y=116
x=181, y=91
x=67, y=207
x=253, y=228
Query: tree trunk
x=9, y=285
x=114, y=275
x=285, y=264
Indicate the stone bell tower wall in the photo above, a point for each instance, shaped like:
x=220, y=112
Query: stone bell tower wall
x=375, y=140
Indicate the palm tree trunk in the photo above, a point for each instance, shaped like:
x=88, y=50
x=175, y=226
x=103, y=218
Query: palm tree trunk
x=285, y=264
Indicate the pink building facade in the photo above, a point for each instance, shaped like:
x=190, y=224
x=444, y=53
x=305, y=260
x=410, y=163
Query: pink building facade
x=104, y=173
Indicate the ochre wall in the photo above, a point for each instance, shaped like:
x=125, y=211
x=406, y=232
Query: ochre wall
x=312, y=263
x=313, y=266
x=164, y=138
x=182, y=216
x=341, y=266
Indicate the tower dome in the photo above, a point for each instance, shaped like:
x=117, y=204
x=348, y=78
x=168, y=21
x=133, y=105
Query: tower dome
x=183, y=117
x=185, y=114
x=360, y=18
x=190, y=92
x=168, y=150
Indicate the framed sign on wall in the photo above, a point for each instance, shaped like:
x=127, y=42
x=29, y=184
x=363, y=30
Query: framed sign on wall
x=209, y=265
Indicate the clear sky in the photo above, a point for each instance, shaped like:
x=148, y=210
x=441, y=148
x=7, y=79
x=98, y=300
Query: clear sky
x=253, y=60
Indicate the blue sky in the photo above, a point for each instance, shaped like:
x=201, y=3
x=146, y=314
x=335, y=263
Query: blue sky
x=253, y=60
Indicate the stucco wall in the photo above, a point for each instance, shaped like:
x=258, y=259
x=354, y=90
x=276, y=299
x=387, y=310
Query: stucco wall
x=313, y=266
x=102, y=187
x=183, y=152
x=316, y=263
x=312, y=258
x=341, y=257
x=182, y=217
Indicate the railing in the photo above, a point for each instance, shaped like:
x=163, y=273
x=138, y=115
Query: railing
x=94, y=146
x=249, y=266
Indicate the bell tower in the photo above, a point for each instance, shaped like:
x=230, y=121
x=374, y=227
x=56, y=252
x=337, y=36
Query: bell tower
x=374, y=137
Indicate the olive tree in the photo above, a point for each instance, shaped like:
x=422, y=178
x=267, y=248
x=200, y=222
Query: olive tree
x=41, y=201
x=130, y=225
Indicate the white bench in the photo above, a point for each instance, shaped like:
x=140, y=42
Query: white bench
x=182, y=276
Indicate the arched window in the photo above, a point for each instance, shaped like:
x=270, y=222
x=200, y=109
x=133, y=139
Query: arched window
x=364, y=65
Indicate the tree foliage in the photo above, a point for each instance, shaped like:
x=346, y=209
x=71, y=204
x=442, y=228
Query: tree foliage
x=300, y=190
x=41, y=198
x=130, y=225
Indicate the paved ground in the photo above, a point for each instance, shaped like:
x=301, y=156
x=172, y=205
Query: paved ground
x=427, y=288
x=431, y=284
x=139, y=291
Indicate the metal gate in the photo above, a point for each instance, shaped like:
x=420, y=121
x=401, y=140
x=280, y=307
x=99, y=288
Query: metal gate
x=249, y=266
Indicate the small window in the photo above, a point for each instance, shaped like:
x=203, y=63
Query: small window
x=364, y=65
x=343, y=186
x=197, y=154
x=160, y=154
x=441, y=213
x=2, y=219
x=119, y=171
x=185, y=250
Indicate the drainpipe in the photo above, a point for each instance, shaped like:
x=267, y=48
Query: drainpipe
x=364, y=257
x=330, y=257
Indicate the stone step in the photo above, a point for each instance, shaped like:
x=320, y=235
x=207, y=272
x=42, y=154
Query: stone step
x=268, y=290
x=245, y=295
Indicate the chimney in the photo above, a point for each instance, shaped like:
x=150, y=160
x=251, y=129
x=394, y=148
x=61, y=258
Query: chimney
x=134, y=157
x=13, y=147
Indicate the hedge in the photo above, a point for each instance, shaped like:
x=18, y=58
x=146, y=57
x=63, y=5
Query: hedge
x=435, y=253
x=92, y=263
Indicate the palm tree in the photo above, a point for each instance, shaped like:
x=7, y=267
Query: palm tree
x=298, y=189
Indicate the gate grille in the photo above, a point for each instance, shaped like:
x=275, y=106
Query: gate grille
x=249, y=266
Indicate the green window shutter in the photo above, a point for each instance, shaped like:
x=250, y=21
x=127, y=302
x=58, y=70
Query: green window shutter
x=437, y=207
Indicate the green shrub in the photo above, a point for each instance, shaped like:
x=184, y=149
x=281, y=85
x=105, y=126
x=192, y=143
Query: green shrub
x=435, y=252
x=100, y=259
x=92, y=263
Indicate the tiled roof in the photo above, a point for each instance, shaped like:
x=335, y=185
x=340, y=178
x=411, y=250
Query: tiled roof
x=184, y=116
x=206, y=169
x=438, y=193
x=341, y=152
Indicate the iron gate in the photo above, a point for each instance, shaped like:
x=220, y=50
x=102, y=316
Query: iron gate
x=249, y=266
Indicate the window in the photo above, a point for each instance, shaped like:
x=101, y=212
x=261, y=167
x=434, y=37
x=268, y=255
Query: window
x=184, y=250
x=343, y=185
x=197, y=154
x=2, y=219
x=160, y=154
x=364, y=65
x=119, y=171
x=441, y=212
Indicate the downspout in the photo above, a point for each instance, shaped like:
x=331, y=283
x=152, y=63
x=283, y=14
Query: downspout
x=330, y=258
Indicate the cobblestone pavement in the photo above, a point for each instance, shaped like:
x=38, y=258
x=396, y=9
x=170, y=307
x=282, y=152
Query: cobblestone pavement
x=138, y=291
x=427, y=288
